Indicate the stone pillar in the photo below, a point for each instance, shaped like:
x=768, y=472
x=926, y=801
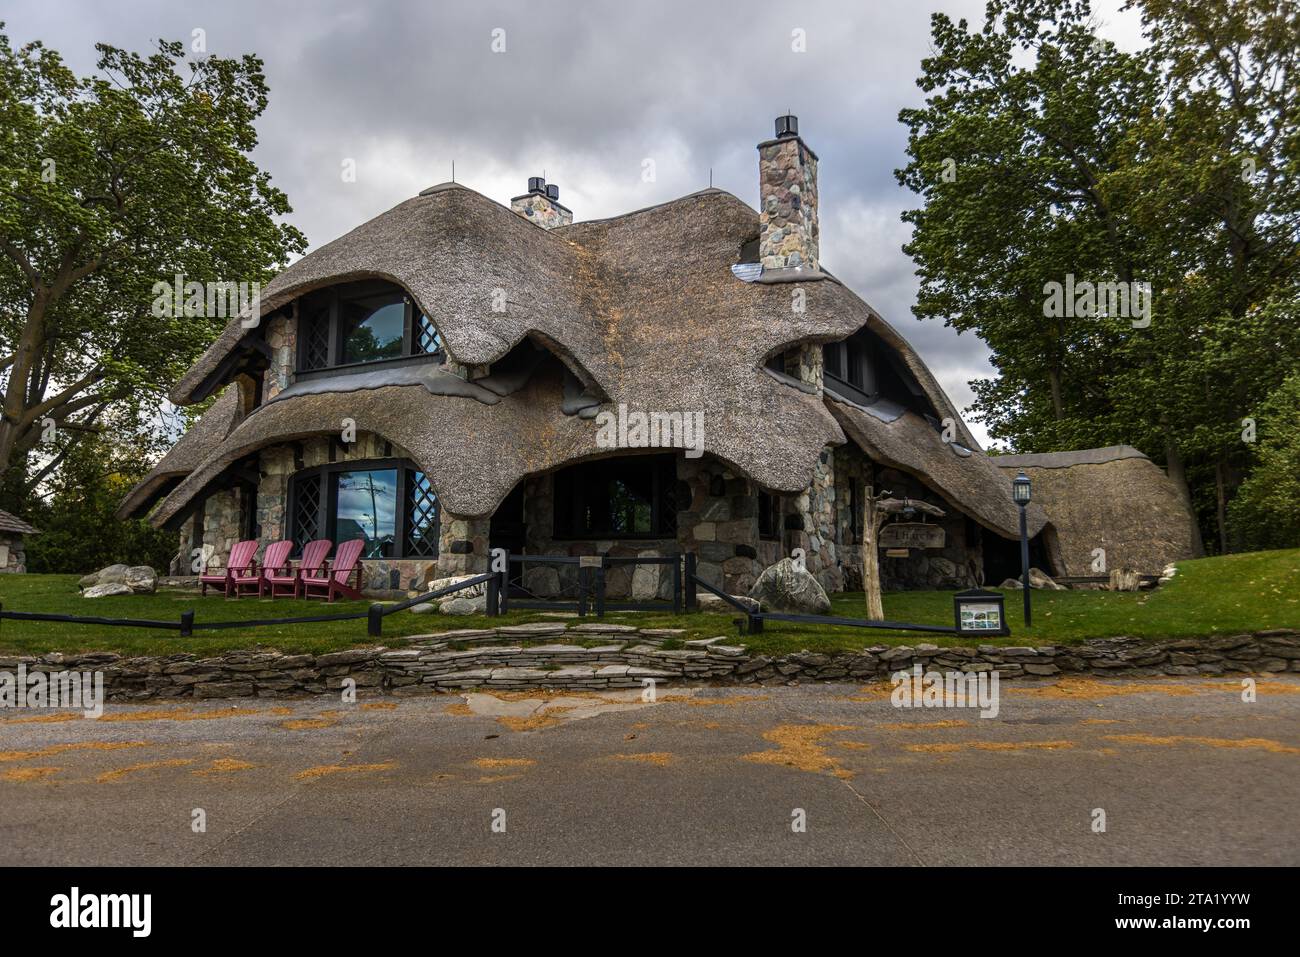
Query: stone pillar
x=462, y=545
x=815, y=532
x=717, y=518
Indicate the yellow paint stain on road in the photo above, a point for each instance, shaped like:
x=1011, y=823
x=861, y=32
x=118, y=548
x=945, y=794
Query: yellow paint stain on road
x=799, y=746
x=494, y=778
x=854, y=745
x=658, y=758
x=918, y=725
x=326, y=719
x=57, y=718
x=27, y=774
x=378, y=706
x=947, y=747
x=460, y=709
x=178, y=714
x=1101, y=721
x=72, y=746
x=322, y=770
x=119, y=773
x=489, y=764
x=1252, y=744
x=223, y=766
x=533, y=722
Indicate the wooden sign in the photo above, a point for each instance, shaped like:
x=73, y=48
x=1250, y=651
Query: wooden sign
x=590, y=561
x=911, y=535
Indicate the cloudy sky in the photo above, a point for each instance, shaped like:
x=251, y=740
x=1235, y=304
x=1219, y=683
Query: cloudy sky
x=586, y=93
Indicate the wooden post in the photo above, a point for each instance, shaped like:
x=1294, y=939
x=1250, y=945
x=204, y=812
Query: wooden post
x=872, y=519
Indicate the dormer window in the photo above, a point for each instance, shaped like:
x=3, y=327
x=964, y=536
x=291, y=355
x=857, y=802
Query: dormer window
x=362, y=323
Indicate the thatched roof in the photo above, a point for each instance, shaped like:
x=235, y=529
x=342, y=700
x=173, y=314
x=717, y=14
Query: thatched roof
x=15, y=525
x=965, y=477
x=184, y=457
x=642, y=308
x=1113, y=498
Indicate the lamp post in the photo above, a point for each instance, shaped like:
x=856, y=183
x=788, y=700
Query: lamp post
x=1020, y=495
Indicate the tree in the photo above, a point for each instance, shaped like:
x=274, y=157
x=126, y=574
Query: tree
x=1266, y=511
x=1046, y=156
x=109, y=185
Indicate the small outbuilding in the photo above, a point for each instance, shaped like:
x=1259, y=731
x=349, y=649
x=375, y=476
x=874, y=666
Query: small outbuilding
x=13, y=556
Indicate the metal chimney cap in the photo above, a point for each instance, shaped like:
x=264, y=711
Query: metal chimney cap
x=537, y=184
x=787, y=126
x=552, y=192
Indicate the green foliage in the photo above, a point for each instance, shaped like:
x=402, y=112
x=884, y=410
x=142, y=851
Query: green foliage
x=79, y=532
x=1177, y=166
x=1266, y=511
x=110, y=184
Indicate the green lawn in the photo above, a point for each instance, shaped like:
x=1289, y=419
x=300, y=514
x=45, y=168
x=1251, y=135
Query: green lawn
x=1209, y=596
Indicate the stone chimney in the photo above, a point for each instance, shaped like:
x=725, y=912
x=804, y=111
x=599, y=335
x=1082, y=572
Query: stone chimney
x=541, y=205
x=787, y=184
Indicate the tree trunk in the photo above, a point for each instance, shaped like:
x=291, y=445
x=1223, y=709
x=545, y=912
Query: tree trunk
x=1221, y=505
x=871, y=557
x=1178, y=475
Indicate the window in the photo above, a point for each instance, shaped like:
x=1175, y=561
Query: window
x=363, y=322
x=629, y=497
x=849, y=368
x=769, y=516
x=389, y=503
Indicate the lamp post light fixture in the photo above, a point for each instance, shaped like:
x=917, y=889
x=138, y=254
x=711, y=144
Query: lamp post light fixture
x=1020, y=495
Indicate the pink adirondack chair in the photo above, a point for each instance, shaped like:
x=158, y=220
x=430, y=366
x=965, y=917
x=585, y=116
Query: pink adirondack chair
x=239, y=572
x=277, y=571
x=331, y=582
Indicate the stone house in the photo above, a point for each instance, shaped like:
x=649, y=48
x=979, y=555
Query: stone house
x=13, y=556
x=457, y=375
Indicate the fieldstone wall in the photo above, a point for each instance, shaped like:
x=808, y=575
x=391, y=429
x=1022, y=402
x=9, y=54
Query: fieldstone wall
x=789, y=234
x=13, y=556
x=282, y=337
x=544, y=655
x=717, y=518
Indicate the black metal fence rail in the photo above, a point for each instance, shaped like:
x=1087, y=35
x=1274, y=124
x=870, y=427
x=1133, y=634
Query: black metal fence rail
x=376, y=614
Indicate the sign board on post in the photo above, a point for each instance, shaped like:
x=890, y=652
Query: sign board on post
x=980, y=612
x=912, y=535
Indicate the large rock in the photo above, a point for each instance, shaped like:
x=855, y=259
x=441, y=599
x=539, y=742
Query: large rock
x=109, y=575
x=711, y=602
x=465, y=606
x=106, y=589
x=645, y=579
x=141, y=579
x=1040, y=579
x=473, y=591
x=786, y=586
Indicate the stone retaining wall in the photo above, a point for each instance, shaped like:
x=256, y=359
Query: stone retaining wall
x=621, y=656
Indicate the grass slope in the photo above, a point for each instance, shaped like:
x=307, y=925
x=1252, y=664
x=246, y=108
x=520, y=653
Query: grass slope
x=1223, y=595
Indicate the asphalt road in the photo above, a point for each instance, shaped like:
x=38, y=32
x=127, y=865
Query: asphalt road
x=1184, y=770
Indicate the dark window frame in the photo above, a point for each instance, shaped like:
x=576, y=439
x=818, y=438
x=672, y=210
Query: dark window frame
x=769, y=516
x=328, y=299
x=573, y=483
x=849, y=366
x=327, y=503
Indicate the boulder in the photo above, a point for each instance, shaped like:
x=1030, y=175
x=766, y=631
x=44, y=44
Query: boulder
x=465, y=606
x=106, y=589
x=1040, y=579
x=786, y=586
x=1012, y=583
x=113, y=574
x=645, y=579
x=141, y=579
x=473, y=591
x=1125, y=579
x=710, y=602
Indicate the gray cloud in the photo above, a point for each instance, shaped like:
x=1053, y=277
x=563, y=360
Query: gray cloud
x=585, y=92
